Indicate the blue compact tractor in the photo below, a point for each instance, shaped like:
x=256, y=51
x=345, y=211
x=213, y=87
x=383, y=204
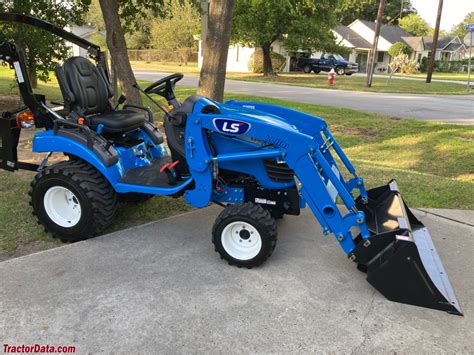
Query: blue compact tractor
x=258, y=161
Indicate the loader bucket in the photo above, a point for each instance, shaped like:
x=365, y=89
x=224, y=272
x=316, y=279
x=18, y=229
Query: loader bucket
x=400, y=258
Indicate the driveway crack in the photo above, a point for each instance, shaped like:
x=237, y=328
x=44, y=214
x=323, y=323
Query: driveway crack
x=365, y=335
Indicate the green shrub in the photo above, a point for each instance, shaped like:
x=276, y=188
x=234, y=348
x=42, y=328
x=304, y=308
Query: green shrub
x=255, y=63
x=397, y=48
x=424, y=64
x=442, y=66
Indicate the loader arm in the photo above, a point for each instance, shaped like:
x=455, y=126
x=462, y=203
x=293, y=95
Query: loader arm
x=307, y=155
x=374, y=228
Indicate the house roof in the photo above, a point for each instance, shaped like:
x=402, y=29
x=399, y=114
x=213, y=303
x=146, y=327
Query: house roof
x=446, y=43
x=414, y=42
x=352, y=37
x=390, y=32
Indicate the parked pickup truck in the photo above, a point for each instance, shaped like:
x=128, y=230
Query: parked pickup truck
x=326, y=62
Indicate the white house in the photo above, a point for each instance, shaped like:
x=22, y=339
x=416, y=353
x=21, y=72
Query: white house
x=239, y=56
x=84, y=31
x=449, y=48
x=359, y=36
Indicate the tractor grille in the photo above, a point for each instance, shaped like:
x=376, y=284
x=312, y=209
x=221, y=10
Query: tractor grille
x=278, y=172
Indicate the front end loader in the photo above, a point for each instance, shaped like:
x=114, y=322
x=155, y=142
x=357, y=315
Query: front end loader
x=258, y=161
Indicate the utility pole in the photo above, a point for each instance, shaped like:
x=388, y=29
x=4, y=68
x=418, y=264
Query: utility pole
x=435, y=43
x=373, y=52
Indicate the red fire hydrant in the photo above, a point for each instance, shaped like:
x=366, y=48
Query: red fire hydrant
x=331, y=76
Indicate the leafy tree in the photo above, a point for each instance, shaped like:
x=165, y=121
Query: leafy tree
x=120, y=17
x=302, y=24
x=43, y=50
x=459, y=29
x=399, y=48
x=350, y=10
x=176, y=30
x=415, y=24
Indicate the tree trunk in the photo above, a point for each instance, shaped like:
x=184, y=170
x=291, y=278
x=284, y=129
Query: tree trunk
x=216, y=47
x=33, y=77
x=434, y=45
x=118, y=51
x=267, y=61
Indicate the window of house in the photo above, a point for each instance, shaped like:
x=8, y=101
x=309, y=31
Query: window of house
x=380, y=56
x=419, y=57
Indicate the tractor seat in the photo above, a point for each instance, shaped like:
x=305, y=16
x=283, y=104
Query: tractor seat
x=117, y=121
x=86, y=91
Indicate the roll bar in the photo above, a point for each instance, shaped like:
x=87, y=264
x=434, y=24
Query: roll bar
x=93, y=49
x=15, y=57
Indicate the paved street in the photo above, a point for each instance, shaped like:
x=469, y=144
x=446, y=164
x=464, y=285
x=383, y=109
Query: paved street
x=457, y=109
x=161, y=288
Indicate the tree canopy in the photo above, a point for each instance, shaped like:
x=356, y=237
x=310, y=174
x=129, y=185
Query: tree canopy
x=348, y=11
x=399, y=48
x=415, y=24
x=302, y=24
x=43, y=49
x=460, y=29
x=176, y=29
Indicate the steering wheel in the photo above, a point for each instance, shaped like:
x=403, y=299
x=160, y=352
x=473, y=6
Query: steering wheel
x=165, y=86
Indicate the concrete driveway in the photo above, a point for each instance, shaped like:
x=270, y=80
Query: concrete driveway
x=161, y=288
x=458, y=109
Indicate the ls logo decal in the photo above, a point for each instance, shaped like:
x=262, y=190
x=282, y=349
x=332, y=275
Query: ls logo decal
x=226, y=125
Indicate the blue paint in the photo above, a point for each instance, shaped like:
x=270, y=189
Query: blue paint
x=243, y=136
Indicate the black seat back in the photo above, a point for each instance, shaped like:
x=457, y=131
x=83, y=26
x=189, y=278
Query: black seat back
x=84, y=86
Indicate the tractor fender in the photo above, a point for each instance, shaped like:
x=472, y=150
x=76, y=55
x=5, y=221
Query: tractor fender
x=49, y=142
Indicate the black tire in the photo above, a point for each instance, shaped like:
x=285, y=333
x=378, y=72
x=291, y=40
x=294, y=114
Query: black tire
x=96, y=198
x=276, y=214
x=317, y=71
x=134, y=198
x=307, y=69
x=340, y=71
x=349, y=74
x=255, y=217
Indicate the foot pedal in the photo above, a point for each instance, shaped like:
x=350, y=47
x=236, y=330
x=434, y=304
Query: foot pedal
x=168, y=168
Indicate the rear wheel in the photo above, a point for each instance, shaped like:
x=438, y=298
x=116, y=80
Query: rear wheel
x=340, y=71
x=244, y=235
x=307, y=69
x=72, y=200
x=317, y=71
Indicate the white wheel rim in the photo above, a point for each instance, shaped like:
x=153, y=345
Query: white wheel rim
x=62, y=206
x=241, y=240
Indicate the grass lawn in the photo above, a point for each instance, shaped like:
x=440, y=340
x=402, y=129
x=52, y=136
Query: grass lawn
x=433, y=163
x=353, y=83
x=167, y=67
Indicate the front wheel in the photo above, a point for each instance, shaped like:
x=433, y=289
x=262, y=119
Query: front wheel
x=72, y=200
x=244, y=235
x=340, y=71
x=307, y=69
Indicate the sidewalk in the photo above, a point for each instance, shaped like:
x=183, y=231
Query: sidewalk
x=161, y=288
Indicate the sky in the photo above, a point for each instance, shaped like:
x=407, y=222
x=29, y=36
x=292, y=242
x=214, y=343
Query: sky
x=454, y=11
